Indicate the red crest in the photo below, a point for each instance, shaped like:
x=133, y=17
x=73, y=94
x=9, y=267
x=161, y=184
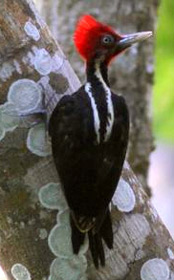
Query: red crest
x=87, y=33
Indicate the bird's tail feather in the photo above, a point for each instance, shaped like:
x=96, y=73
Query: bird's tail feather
x=96, y=248
x=77, y=237
x=95, y=239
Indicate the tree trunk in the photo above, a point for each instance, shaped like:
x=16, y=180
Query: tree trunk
x=131, y=75
x=34, y=221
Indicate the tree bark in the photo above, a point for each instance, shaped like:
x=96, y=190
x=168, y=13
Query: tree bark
x=34, y=227
x=131, y=75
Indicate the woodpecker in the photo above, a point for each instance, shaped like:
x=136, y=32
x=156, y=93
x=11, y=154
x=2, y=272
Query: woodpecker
x=89, y=134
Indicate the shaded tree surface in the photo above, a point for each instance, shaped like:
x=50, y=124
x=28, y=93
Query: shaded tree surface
x=130, y=75
x=35, y=240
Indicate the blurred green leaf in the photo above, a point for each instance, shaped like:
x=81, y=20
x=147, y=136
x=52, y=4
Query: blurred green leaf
x=164, y=73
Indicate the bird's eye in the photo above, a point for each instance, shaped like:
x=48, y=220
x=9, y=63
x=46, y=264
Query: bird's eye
x=108, y=40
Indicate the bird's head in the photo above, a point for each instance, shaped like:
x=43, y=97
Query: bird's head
x=95, y=40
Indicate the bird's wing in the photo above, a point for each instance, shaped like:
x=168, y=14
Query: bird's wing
x=71, y=130
x=114, y=152
x=60, y=115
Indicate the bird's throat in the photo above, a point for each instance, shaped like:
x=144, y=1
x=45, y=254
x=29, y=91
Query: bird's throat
x=97, y=71
x=98, y=90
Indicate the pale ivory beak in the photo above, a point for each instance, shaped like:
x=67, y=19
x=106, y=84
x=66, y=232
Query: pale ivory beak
x=130, y=39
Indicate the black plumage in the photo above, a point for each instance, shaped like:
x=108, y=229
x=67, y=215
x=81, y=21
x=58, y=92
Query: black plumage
x=89, y=171
x=89, y=132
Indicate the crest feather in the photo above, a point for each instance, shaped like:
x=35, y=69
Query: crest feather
x=88, y=29
x=87, y=22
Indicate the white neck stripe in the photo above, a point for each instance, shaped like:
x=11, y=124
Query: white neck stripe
x=94, y=110
x=110, y=109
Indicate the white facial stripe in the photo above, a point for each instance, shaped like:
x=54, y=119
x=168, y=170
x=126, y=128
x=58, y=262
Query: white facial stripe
x=95, y=111
x=110, y=108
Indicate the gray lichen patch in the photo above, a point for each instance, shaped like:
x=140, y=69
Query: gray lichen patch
x=63, y=217
x=67, y=265
x=59, y=241
x=43, y=233
x=155, y=269
x=8, y=116
x=8, y=119
x=25, y=95
x=37, y=141
x=51, y=197
x=68, y=269
x=32, y=31
x=124, y=197
x=42, y=61
x=20, y=272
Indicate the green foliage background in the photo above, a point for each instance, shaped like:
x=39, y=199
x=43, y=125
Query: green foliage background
x=163, y=101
